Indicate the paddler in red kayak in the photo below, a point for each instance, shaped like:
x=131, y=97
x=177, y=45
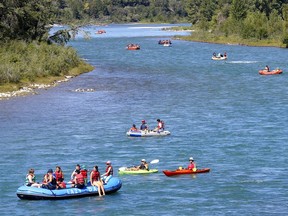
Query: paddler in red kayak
x=192, y=164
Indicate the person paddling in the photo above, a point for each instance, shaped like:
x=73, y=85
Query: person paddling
x=192, y=164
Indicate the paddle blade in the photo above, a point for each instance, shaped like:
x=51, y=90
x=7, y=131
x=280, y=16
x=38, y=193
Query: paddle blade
x=154, y=161
x=122, y=169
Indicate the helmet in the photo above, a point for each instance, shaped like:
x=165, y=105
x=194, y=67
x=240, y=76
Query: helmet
x=191, y=159
x=108, y=162
x=143, y=160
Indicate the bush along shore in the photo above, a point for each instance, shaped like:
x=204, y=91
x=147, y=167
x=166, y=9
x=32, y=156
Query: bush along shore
x=26, y=67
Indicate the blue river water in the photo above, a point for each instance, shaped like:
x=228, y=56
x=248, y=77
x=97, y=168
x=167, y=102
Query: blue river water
x=224, y=114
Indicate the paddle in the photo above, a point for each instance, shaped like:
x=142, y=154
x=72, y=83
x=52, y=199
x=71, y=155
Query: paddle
x=151, y=162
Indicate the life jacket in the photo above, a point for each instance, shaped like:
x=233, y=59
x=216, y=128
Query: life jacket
x=95, y=176
x=80, y=179
x=143, y=126
x=59, y=176
x=191, y=166
x=84, y=173
x=27, y=179
x=111, y=171
x=143, y=167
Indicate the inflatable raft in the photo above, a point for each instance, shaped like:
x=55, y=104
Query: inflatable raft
x=185, y=171
x=219, y=58
x=127, y=170
x=34, y=193
x=273, y=72
x=147, y=133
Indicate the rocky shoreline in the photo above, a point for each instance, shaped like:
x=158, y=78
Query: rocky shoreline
x=31, y=89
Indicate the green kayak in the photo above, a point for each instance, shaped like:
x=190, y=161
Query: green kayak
x=125, y=170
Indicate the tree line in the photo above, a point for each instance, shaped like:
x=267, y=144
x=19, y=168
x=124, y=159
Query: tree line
x=259, y=19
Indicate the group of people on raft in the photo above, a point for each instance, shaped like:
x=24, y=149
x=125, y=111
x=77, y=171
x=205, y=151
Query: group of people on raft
x=164, y=42
x=219, y=55
x=55, y=180
x=160, y=126
x=133, y=46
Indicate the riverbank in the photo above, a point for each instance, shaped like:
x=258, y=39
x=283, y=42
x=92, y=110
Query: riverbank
x=25, y=88
x=207, y=37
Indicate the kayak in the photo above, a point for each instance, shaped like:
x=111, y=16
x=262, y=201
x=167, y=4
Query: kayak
x=147, y=133
x=34, y=193
x=129, y=171
x=273, y=72
x=185, y=171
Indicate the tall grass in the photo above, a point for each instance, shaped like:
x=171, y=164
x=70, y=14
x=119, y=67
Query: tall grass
x=21, y=61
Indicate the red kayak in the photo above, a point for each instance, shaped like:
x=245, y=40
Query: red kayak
x=184, y=171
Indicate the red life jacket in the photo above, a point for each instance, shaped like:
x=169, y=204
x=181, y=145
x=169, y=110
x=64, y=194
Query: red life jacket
x=111, y=170
x=95, y=176
x=191, y=166
x=59, y=176
x=84, y=173
x=80, y=179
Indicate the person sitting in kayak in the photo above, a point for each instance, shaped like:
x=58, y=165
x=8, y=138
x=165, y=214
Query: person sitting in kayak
x=108, y=173
x=144, y=165
x=133, y=128
x=267, y=68
x=192, y=164
x=79, y=181
x=144, y=125
x=160, y=126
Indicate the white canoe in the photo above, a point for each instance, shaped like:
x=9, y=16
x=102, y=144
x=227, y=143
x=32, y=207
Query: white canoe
x=147, y=133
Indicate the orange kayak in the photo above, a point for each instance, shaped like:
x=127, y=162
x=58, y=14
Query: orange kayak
x=273, y=72
x=185, y=171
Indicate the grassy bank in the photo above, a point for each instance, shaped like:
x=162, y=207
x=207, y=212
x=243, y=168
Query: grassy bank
x=23, y=64
x=202, y=36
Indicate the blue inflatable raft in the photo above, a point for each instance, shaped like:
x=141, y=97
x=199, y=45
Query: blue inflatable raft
x=33, y=193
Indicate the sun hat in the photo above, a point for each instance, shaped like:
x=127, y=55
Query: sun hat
x=108, y=162
x=143, y=160
x=191, y=159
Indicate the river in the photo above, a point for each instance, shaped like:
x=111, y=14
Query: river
x=222, y=113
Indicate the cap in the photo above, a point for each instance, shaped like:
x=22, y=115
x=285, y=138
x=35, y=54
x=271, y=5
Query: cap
x=50, y=171
x=108, y=162
x=143, y=160
x=191, y=159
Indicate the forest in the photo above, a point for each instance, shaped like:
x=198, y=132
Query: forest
x=22, y=22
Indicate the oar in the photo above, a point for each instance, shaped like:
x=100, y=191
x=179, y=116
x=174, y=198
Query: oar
x=154, y=161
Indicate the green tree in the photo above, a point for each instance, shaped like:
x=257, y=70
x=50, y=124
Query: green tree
x=239, y=9
x=26, y=19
